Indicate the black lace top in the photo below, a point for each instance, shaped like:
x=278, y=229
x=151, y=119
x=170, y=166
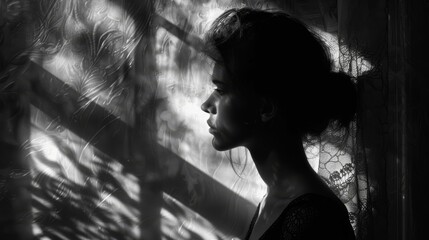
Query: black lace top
x=310, y=216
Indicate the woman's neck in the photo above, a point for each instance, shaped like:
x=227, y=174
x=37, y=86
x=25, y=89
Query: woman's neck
x=283, y=166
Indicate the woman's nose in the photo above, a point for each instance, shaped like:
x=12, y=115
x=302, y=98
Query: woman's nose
x=208, y=106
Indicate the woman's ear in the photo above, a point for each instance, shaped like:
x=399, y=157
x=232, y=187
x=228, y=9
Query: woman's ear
x=267, y=109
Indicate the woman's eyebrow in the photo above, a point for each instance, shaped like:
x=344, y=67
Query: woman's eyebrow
x=218, y=82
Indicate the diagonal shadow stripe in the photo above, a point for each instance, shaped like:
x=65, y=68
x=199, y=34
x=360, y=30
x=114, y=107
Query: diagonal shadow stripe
x=228, y=211
x=144, y=15
x=191, y=40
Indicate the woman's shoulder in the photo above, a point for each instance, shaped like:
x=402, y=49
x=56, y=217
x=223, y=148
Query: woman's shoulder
x=312, y=207
x=312, y=216
x=316, y=203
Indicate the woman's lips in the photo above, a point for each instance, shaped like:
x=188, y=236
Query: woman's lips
x=212, y=129
x=211, y=125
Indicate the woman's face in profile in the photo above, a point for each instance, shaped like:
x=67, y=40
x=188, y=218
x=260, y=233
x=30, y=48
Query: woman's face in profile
x=230, y=112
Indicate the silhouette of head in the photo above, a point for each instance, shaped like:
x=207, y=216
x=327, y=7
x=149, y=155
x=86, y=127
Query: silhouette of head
x=273, y=76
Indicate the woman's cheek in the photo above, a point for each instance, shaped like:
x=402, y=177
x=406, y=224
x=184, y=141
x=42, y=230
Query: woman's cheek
x=231, y=116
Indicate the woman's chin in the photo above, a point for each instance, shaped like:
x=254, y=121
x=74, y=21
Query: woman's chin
x=219, y=146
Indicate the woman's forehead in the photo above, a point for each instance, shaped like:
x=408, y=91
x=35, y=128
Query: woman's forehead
x=220, y=74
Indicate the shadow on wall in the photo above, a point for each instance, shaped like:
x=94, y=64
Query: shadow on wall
x=77, y=190
x=91, y=167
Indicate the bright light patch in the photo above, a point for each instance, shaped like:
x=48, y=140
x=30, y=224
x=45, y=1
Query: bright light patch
x=356, y=66
x=312, y=152
x=185, y=223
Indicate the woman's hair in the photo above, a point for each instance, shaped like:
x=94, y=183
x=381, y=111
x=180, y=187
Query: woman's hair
x=273, y=55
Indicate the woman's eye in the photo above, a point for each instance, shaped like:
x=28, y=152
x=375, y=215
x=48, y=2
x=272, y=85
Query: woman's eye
x=219, y=91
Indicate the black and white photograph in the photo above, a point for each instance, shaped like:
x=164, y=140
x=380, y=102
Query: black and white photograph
x=214, y=119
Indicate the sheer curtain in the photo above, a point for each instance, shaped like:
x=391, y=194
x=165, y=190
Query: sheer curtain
x=103, y=137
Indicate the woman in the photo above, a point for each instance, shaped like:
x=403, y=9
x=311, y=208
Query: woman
x=274, y=88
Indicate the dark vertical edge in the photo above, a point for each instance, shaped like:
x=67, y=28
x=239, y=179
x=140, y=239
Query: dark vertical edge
x=15, y=196
x=397, y=119
x=143, y=138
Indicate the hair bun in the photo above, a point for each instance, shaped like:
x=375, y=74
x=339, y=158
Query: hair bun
x=343, y=95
